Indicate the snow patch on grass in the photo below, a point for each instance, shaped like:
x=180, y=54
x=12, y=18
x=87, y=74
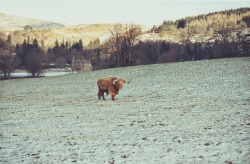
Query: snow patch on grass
x=189, y=112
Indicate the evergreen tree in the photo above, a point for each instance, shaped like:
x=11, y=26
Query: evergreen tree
x=23, y=53
x=90, y=45
x=78, y=46
x=181, y=23
x=67, y=46
x=24, y=46
x=17, y=48
x=155, y=29
x=164, y=47
x=98, y=56
x=51, y=56
x=9, y=39
x=28, y=28
x=42, y=44
x=49, y=50
x=56, y=51
x=56, y=44
x=189, y=51
x=97, y=43
x=246, y=19
x=152, y=53
x=35, y=44
x=18, y=51
x=62, y=44
x=28, y=40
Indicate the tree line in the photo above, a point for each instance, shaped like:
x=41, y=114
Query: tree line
x=124, y=48
x=34, y=59
x=152, y=52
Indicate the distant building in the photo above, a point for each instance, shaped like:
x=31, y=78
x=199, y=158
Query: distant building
x=105, y=56
x=81, y=65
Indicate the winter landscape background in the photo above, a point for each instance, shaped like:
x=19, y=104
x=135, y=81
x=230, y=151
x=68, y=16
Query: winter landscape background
x=186, y=99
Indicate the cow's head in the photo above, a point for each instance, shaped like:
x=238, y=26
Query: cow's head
x=119, y=83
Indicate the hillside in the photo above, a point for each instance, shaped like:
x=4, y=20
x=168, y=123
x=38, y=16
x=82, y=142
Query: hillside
x=72, y=33
x=49, y=32
x=205, y=27
x=15, y=22
x=14, y=25
x=195, y=28
x=186, y=112
x=86, y=32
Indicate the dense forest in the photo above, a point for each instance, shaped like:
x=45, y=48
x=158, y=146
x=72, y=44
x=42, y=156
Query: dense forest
x=228, y=29
x=207, y=25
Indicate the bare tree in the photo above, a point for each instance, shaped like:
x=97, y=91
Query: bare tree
x=132, y=32
x=8, y=62
x=116, y=41
x=122, y=42
x=35, y=60
x=76, y=65
x=61, y=62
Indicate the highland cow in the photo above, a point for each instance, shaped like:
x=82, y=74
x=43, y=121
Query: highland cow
x=109, y=85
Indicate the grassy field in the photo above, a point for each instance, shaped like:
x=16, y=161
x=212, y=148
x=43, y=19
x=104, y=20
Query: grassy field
x=187, y=112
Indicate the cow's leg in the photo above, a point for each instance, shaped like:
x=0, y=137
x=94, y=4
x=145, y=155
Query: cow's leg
x=103, y=95
x=99, y=94
x=113, y=91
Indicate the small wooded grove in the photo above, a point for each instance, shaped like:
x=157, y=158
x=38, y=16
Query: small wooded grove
x=124, y=48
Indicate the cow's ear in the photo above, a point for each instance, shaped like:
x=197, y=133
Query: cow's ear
x=124, y=81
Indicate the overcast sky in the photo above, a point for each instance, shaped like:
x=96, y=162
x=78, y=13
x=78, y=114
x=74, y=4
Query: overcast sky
x=148, y=12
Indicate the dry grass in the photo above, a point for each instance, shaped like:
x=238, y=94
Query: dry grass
x=14, y=26
x=73, y=33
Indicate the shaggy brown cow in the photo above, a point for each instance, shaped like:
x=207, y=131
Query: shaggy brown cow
x=110, y=85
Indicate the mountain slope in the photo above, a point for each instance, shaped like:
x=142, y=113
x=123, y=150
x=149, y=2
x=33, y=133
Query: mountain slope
x=15, y=22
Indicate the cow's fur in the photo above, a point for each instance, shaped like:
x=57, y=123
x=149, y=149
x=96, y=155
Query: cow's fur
x=109, y=85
